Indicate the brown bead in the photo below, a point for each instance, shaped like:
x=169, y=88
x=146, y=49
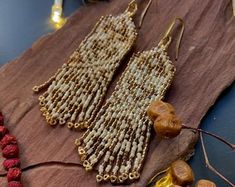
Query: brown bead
x=205, y=183
x=168, y=126
x=181, y=173
x=158, y=108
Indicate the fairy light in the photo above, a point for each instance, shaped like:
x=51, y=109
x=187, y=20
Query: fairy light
x=56, y=14
x=233, y=2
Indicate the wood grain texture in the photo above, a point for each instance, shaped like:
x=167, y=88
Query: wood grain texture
x=206, y=66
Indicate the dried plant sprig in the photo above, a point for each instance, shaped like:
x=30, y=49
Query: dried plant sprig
x=210, y=134
x=168, y=125
x=209, y=166
x=92, y=1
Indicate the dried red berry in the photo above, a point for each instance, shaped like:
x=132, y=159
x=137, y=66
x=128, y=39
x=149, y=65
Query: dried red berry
x=14, y=184
x=3, y=131
x=10, y=151
x=1, y=120
x=11, y=163
x=13, y=174
x=7, y=139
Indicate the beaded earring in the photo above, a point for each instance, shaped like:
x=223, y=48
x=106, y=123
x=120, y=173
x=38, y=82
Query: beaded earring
x=74, y=94
x=118, y=137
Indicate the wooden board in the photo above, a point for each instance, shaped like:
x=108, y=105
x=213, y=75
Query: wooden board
x=206, y=66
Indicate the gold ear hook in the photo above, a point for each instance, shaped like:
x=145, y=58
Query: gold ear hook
x=167, y=37
x=144, y=13
x=132, y=8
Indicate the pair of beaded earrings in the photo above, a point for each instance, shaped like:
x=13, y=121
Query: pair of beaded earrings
x=118, y=134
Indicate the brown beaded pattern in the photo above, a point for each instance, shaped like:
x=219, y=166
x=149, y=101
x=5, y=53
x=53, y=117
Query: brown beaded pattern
x=118, y=137
x=76, y=91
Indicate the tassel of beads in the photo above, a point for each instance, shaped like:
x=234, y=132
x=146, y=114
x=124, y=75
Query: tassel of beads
x=74, y=94
x=10, y=151
x=118, y=138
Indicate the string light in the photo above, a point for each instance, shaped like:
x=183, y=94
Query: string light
x=233, y=2
x=56, y=14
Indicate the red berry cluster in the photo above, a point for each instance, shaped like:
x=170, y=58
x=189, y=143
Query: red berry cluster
x=10, y=151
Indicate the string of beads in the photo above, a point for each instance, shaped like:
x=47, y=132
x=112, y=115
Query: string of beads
x=117, y=140
x=74, y=94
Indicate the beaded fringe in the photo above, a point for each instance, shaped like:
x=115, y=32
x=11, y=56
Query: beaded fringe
x=118, y=138
x=76, y=91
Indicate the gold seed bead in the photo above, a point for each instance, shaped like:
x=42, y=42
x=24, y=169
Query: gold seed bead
x=54, y=121
x=81, y=151
x=77, y=126
x=125, y=176
x=61, y=121
x=47, y=116
x=83, y=157
x=70, y=125
x=50, y=121
x=78, y=142
x=113, y=178
x=42, y=103
x=87, y=165
x=131, y=176
x=99, y=178
x=43, y=109
x=136, y=175
x=121, y=179
x=35, y=89
x=106, y=177
x=40, y=98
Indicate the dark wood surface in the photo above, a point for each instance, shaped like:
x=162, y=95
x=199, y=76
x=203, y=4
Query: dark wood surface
x=205, y=67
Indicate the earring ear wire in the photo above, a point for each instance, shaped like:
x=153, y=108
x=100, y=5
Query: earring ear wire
x=166, y=40
x=144, y=13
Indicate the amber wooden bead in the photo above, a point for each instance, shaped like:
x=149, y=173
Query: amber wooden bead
x=181, y=173
x=168, y=126
x=158, y=108
x=205, y=183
